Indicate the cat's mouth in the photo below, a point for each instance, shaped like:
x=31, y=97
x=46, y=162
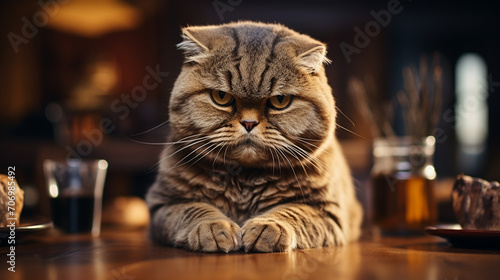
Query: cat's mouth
x=249, y=142
x=249, y=150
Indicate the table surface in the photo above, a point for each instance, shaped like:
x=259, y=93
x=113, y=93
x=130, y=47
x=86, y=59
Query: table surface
x=121, y=254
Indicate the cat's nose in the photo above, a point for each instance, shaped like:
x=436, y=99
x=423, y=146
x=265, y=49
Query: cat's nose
x=249, y=125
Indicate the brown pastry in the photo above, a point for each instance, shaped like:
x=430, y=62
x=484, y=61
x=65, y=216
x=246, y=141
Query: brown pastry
x=476, y=203
x=12, y=214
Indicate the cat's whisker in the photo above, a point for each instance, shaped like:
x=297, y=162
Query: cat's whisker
x=291, y=152
x=156, y=166
x=310, y=144
x=309, y=153
x=305, y=141
x=288, y=148
x=217, y=155
x=224, y=158
x=317, y=163
x=187, y=146
x=189, y=137
x=303, y=138
x=336, y=107
x=212, y=147
x=357, y=183
x=151, y=129
x=187, y=156
x=200, y=153
x=183, y=140
x=197, y=141
x=309, y=157
x=305, y=157
x=293, y=170
x=148, y=143
x=285, y=158
x=272, y=156
x=219, y=140
x=350, y=131
x=277, y=157
x=311, y=149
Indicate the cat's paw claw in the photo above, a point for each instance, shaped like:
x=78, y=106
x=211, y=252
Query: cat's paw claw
x=215, y=236
x=261, y=235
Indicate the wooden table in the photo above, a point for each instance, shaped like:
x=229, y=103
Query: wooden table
x=127, y=255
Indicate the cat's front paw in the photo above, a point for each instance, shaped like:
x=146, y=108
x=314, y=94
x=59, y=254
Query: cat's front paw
x=267, y=235
x=220, y=235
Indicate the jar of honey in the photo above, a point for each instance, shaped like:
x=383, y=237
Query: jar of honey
x=403, y=178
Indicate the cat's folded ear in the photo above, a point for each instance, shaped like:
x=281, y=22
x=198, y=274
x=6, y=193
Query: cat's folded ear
x=312, y=57
x=198, y=41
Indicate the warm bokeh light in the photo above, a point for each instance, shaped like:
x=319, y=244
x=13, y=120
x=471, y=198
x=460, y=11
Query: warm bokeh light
x=92, y=18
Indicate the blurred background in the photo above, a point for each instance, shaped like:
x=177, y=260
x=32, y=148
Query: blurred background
x=80, y=78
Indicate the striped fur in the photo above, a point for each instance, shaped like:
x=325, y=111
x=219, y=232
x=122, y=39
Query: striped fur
x=283, y=185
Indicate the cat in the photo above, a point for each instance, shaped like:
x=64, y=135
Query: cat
x=253, y=163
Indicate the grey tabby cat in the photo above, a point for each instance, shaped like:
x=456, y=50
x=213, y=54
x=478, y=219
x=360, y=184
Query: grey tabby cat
x=253, y=162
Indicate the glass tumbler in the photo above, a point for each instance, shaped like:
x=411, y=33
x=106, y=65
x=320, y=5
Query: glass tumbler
x=75, y=190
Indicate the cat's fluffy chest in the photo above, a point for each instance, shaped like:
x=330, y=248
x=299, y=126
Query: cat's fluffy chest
x=242, y=193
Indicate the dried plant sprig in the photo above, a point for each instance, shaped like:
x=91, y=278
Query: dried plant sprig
x=422, y=98
x=382, y=109
x=365, y=95
x=388, y=120
x=358, y=92
x=420, y=101
x=437, y=78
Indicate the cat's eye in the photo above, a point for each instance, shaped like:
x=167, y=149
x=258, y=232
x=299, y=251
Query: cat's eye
x=221, y=98
x=280, y=102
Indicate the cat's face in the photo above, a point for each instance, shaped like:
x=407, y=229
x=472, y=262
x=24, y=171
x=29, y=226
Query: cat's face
x=252, y=93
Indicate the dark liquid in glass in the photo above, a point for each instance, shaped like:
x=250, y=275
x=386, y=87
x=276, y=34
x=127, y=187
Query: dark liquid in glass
x=403, y=205
x=73, y=214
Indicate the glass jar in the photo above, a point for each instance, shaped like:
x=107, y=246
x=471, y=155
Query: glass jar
x=403, y=177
